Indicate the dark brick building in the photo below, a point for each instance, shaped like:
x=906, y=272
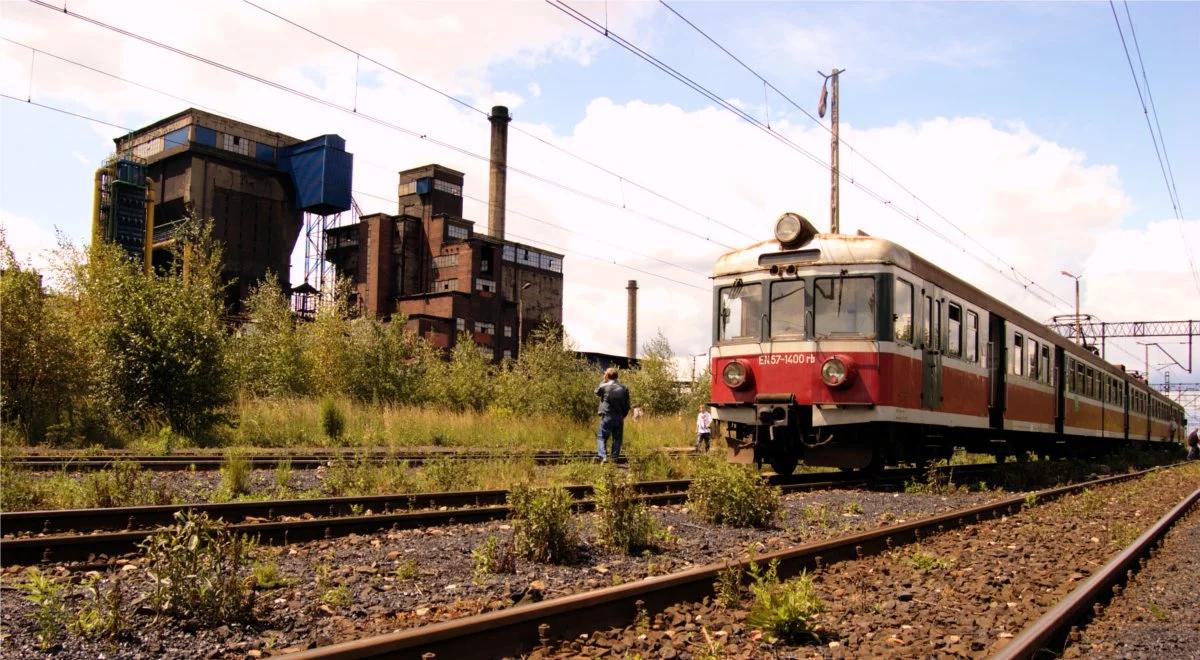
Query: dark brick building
x=430, y=265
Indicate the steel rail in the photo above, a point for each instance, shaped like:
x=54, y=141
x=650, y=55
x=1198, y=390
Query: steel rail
x=1048, y=633
x=517, y=630
x=477, y=506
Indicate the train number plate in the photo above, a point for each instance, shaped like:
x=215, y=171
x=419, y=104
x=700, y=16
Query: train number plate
x=787, y=358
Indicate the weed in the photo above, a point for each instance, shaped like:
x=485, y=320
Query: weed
x=545, y=524
x=1031, y=501
x=235, y=474
x=923, y=561
x=733, y=495
x=100, y=613
x=199, y=569
x=937, y=482
x=1086, y=504
x=1159, y=613
x=641, y=619
x=728, y=587
x=853, y=508
x=336, y=596
x=446, y=474
x=407, y=570
x=493, y=556
x=124, y=483
x=283, y=473
x=50, y=610
x=713, y=650
x=333, y=421
x=784, y=611
x=361, y=476
x=1124, y=534
x=816, y=514
x=357, y=509
x=267, y=575
x=623, y=523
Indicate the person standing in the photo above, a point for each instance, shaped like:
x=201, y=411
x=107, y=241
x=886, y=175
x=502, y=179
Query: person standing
x=703, y=428
x=1194, y=445
x=614, y=405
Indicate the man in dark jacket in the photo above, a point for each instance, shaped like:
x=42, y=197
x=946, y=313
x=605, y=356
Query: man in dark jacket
x=614, y=405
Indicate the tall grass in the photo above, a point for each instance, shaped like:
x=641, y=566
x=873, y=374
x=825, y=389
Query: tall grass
x=290, y=422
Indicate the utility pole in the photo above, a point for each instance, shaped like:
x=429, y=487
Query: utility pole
x=1078, y=319
x=834, y=220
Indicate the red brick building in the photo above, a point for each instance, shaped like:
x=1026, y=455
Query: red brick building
x=431, y=265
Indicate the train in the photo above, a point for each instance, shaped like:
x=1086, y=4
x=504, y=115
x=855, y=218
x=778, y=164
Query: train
x=852, y=351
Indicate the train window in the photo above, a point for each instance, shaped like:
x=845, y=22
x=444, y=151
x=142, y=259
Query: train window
x=972, y=337
x=1033, y=360
x=928, y=332
x=1045, y=365
x=1018, y=354
x=1089, y=388
x=844, y=306
x=954, y=330
x=1080, y=386
x=902, y=312
x=741, y=312
x=787, y=308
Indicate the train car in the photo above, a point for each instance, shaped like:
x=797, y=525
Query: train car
x=851, y=351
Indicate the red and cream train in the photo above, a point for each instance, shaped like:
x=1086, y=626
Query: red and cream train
x=852, y=351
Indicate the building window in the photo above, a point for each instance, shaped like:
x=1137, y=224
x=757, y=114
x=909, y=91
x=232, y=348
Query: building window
x=555, y=264
x=236, y=144
x=176, y=138
x=409, y=188
x=486, y=328
x=445, y=261
x=510, y=253
x=205, y=135
x=456, y=231
x=445, y=285
x=508, y=331
x=447, y=187
x=460, y=324
x=264, y=152
x=485, y=285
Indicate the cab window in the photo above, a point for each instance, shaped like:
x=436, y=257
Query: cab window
x=844, y=307
x=740, y=313
x=787, y=309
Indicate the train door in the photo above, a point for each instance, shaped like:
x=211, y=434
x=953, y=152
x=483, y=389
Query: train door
x=1060, y=389
x=997, y=367
x=931, y=354
x=1125, y=406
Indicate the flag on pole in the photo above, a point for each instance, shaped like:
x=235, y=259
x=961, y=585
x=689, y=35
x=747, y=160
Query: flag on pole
x=824, y=96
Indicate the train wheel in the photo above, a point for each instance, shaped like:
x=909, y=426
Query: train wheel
x=784, y=464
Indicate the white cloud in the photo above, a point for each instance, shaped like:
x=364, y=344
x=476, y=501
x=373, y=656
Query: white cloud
x=30, y=242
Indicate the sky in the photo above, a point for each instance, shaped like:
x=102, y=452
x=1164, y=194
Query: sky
x=1004, y=141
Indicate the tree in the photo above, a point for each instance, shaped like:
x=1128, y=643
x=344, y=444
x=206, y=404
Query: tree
x=653, y=385
x=465, y=382
x=389, y=364
x=267, y=354
x=548, y=378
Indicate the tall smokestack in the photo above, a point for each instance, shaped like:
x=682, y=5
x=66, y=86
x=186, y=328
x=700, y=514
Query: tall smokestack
x=499, y=175
x=631, y=321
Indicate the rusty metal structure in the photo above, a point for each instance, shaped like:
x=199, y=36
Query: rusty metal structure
x=1099, y=332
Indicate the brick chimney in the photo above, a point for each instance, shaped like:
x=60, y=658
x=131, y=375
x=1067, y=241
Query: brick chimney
x=631, y=321
x=499, y=171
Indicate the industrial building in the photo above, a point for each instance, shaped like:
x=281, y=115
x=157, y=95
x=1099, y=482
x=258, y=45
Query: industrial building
x=430, y=265
x=254, y=184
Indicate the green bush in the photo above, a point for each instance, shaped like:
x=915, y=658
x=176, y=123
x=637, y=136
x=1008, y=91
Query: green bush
x=200, y=571
x=623, y=523
x=548, y=378
x=545, y=524
x=124, y=483
x=783, y=612
x=362, y=476
x=100, y=614
x=235, y=474
x=730, y=494
x=333, y=422
x=50, y=609
x=653, y=384
x=493, y=556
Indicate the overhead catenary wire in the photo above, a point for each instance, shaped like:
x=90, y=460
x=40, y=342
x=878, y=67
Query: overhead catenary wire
x=531, y=240
x=1157, y=138
x=917, y=200
x=514, y=128
x=376, y=120
x=587, y=21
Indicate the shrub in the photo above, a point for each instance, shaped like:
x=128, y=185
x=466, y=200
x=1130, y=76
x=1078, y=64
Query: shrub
x=50, y=610
x=362, y=476
x=493, y=556
x=235, y=474
x=200, y=571
x=124, y=483
x=446, y=474
x=783, y=612
x=725, y=493
x=545, y=524
x=333, y=422
x=623, y=524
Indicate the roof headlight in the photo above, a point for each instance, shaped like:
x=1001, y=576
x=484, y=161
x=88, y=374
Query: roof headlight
x=735, y=375
x=793, y=230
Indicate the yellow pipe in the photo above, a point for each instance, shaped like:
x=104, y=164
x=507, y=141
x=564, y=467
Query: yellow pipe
x=149, y=247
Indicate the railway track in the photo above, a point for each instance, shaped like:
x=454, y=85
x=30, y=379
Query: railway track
x=1047, y=635
x=46, y=537
x=517, y=630
x=307, y=460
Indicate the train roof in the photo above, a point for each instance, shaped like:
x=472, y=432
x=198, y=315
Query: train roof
x=846, y=249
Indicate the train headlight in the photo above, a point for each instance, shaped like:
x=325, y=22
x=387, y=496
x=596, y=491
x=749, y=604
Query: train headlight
x=735, y=375
x=836, y=372
x=793, y=230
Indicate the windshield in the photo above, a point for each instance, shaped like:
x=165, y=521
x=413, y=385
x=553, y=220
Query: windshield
x=787, y=309
x=741, y=311
x=844, y=306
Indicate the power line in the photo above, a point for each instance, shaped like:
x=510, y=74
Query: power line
x=621, y=177
x=377, y=120
x=917, y=199
x=1156, y=138
x=531, y=240
x=709, y=94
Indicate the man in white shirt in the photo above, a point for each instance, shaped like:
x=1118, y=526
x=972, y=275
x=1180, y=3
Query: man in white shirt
x=703, y=428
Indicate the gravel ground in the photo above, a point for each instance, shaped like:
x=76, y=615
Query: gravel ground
x=1155, y=616
x=964, y=593
x=198, y=485
x=349, y=587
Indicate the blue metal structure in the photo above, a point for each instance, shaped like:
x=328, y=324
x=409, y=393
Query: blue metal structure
x=321, y=171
